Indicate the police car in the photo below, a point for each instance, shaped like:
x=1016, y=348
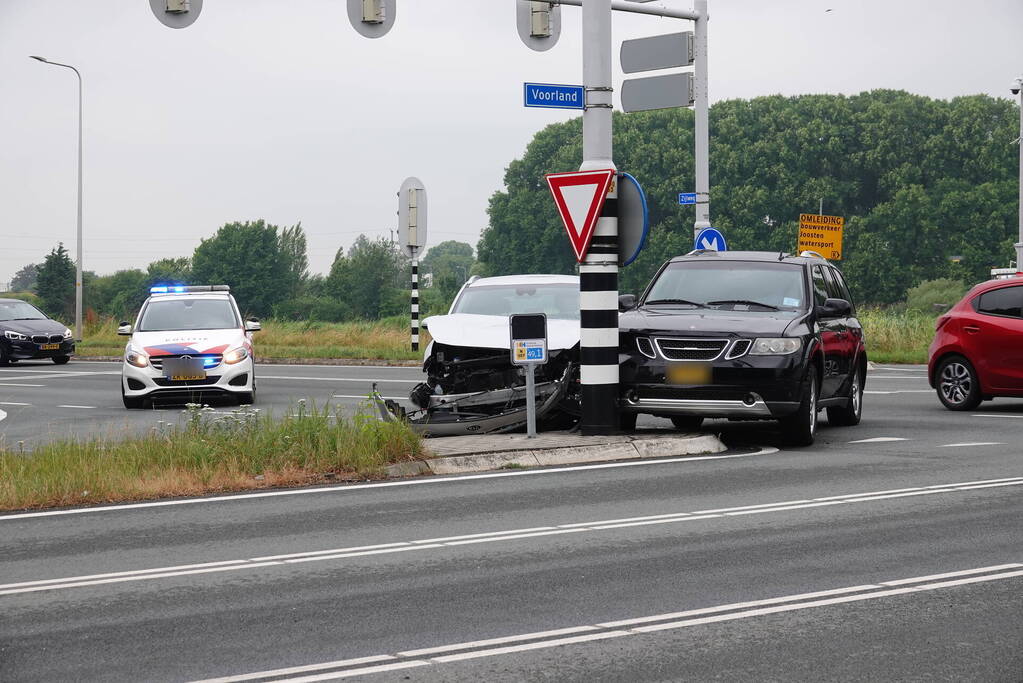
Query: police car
x=188, y=344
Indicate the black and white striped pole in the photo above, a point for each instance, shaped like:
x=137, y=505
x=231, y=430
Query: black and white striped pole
x=412, y=238
x=415, y=300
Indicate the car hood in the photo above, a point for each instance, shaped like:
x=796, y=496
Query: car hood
x=45, y=326
x=491, y=331
x=181, y=343
x=703, y=320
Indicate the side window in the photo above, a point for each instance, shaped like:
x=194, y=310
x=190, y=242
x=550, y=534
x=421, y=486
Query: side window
x=842, y=286
x=1007, y=301
x=820, y=287
x=832, y=284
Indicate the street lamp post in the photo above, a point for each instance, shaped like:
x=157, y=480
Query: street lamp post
x=78, y=260
x=1017, y=89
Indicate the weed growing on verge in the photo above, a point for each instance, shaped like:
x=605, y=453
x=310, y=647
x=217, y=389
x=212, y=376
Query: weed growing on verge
x=208, y=451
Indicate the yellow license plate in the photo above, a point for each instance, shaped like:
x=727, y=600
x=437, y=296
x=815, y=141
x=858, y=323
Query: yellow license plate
x=689, y=373
x=187, y=378
x=49, y=347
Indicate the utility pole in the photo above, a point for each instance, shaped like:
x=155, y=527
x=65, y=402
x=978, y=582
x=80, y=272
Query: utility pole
x=1017, y=89
x=598, y=274
x=701, y=106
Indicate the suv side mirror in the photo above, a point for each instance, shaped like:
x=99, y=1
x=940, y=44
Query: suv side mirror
x=626, y=301
x=834, y=308
x=252, y=325
x=124, y=328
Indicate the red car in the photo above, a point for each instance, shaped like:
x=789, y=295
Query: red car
x=977, y=352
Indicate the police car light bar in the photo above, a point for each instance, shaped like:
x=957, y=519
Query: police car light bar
x=182, y=289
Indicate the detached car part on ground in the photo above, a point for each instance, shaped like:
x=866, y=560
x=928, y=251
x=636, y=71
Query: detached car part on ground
x=743, y=336
x=472, y=387
x=27, y=334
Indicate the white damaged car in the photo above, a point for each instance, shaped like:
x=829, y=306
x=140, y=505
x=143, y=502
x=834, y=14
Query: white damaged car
x=188, y=344
x=471, y=385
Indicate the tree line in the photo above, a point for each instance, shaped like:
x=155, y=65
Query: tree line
x=928, y=188
x=267, y=268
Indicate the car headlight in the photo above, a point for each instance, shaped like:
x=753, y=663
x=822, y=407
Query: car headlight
x=236, y=355
x=136, y=357
x=775, y=346
x=68, y=333
x=16, y=336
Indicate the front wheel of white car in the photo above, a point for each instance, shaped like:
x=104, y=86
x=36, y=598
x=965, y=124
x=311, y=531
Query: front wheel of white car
x=132, y=402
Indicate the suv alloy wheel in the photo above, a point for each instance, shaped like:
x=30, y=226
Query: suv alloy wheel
x=800, y=428
x=850, y=414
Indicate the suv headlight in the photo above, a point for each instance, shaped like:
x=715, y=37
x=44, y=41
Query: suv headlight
x=775, y=346
x=68, y=333
x=137, y=358
x=16, y=336
x=236, y=355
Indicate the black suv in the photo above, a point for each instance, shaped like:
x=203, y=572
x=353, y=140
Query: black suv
x=26, y=333
x=743, y=335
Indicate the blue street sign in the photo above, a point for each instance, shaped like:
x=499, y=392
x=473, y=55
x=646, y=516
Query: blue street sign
x=711, y=238
x=554, y=96
x=686, y=197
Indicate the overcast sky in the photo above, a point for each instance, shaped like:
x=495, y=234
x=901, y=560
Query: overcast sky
x=279, y=110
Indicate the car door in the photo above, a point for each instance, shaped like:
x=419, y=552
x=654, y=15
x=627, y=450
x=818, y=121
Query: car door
x=996, y=335
x=849, y=332
x=832, y=331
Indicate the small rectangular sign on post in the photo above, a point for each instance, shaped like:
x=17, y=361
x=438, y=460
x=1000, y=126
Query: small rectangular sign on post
x=657, y=52
x=822, y=234
x=528, y=333
x=554, y=96
x=657, y=92
x=686, y=198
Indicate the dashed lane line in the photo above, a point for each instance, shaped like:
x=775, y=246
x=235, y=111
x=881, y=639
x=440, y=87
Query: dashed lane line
x=1018, y=417
x=8, y=384
x=489, y=537
x=366, y=396
x=524, y=642
x=974, y=443
x=12, y=403
x=339, y=379
x=899, y=391
x=880, y=439
x=83, y=407
x=2, y=415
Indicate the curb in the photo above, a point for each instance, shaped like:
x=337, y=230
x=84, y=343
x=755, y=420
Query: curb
x=635, y=448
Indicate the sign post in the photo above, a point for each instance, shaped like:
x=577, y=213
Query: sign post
x=822, y=234
x=529, y=348
x=412, y=237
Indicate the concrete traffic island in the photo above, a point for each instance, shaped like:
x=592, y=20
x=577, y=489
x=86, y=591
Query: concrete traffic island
x=460, y=454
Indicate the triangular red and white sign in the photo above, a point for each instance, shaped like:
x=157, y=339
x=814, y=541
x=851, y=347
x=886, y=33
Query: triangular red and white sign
x=580, y=197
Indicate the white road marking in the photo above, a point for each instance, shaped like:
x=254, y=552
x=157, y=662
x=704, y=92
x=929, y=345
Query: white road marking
x=880, y=439
x=487, y=537
x=899, y=391
x=8, y=384
x=385, y=484
x=639, y=625
x=974, y=443
x=2, y=415
x=341, y=379
x=873, y=377
x=52, y=374
x=12, y=403
x=84, y=407
x=366, y=396
x=1018, y=417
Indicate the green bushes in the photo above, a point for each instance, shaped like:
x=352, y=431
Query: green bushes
x=943, y=292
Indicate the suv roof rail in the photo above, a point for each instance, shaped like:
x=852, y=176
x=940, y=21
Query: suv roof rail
x=699, y=252
x=812, y=254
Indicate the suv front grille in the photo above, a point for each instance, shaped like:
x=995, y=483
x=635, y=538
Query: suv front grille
x=51, y=339
x=209, y=361
x=690, y=349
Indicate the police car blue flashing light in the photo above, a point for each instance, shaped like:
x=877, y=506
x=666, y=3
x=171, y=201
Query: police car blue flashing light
x=182, y=289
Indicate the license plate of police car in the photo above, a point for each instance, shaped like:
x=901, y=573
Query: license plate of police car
x=184, y=369
x=689, y=373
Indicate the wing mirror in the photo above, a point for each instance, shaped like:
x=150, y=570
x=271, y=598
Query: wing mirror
x=834, y=308
x=252, y=325
x=124, y=328
x=626, y=301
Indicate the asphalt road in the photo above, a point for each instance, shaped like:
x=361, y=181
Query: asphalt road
x=888, y=551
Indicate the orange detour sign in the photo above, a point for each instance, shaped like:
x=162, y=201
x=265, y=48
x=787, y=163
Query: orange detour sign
x=580, y=198
x=822, y=234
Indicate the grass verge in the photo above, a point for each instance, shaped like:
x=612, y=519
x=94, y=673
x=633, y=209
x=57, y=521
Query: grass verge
x=210, y=452
x=896, y=336
x=378, y=340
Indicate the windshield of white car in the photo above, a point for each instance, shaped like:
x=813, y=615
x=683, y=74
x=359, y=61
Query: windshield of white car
x=188, y=314
x=19, y=310
x=557, y=301
x=732, y=285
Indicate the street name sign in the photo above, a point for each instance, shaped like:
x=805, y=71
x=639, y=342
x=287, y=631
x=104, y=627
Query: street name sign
x=658, y=92
x=554, y=96
x=579, y=197
x=711, y=238
x=822, y=234
x=686, y=198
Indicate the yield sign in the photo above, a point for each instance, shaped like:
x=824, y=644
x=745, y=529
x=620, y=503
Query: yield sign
x=580, y=198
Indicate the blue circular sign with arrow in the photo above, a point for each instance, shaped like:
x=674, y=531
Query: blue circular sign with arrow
x=712, y=239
